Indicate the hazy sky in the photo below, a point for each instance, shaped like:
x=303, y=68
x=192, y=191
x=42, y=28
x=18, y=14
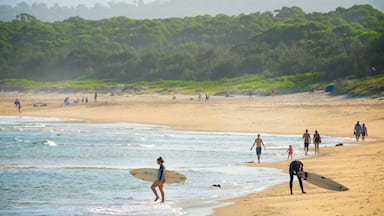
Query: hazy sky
x=263, y=5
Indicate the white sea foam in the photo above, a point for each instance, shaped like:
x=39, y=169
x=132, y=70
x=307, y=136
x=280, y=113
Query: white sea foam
x=49, y=142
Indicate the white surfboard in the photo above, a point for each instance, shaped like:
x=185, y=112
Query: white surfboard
x=150, y=174
x=323, y=182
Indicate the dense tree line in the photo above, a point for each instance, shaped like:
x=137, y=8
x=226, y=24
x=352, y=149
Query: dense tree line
x=338, y=44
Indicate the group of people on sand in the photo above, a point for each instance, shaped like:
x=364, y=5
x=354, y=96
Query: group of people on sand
x=199, y=97
x=295, y=168
x=360, y=130
x=258, y=143
x=307, y=141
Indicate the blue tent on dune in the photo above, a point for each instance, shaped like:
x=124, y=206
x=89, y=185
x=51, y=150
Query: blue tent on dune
x=330, y=87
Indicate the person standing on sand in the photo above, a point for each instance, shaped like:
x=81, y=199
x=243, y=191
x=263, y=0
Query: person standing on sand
x=258, y=142
x=96, y=97
x=364, y=132
x=174, y=97
x=307, y=141
x=290, y=151
x=159, y=182
x=317, y=141
x=357, y=131
x=295, y=168
x=19, y=107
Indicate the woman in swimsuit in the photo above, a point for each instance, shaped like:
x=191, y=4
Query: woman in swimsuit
x=316, y=141
x=364, y=132
x=159, y=182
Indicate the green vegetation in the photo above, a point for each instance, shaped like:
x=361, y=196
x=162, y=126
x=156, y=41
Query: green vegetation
x=370, y=86
x=241, y=53
x=367, y=87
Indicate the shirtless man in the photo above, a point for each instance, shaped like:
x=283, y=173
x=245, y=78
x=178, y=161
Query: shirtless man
x=307, y=141
x=258, y=142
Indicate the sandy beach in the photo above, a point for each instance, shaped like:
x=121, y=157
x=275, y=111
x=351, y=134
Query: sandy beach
x=359, y=167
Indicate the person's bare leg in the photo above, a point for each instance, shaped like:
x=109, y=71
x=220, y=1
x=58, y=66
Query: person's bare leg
x=162, y=192
x=258, y=158
x=153, y=187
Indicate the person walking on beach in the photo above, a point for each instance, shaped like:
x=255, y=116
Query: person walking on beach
x=357, y=131
x=364, y=132
x=96, y=97
x=296, y=168
x=258, y=142
x=307, y=141
x=159, y=182
x=317, y=141
x=19, y=107
x=290, y=152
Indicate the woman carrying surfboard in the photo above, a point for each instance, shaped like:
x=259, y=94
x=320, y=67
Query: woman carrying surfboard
x=159, y=182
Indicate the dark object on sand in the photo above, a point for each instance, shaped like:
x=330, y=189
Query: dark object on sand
x=339, y=144
x=216, y=185
x=40, y=105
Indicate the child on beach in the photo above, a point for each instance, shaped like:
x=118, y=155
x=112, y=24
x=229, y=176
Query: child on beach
x=159, y=182
x=290, y=151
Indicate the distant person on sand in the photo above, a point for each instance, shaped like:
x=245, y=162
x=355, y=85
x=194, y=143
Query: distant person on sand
x=159, y=182
x=307, y=141
x=17, y=102
x=19, y=107
x=174, y=97
x=357, y=131
x=316, y=141
x=96, y=97
x=295, y=168
x=206, y=97
x=272, y=92
x=258, y=142
x=86, y=99
x=199, y=96
x=66, y=101
x=364, y=132
x=290, y=152
x=250, y=96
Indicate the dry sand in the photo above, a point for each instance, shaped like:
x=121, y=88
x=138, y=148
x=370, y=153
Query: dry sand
x=359, y=167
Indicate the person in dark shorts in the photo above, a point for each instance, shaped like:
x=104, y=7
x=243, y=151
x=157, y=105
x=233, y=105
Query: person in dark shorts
x=307, y=141
x=258, y=142
x=357, y=131
x=295, y=167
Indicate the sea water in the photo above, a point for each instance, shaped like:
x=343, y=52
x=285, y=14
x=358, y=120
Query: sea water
x=51, y=166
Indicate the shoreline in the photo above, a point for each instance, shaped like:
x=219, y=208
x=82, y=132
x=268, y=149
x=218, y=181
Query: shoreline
x=352, y=166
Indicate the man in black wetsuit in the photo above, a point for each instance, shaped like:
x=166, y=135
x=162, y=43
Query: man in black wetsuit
x=294, y=169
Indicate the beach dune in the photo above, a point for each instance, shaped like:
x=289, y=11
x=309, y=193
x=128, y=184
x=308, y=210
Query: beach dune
x=359, y=167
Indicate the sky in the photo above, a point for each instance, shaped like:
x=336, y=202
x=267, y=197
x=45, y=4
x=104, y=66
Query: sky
x=264, y=5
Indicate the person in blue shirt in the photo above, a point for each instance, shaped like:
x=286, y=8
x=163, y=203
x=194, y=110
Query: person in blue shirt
x=357, y=131
x=160, y=180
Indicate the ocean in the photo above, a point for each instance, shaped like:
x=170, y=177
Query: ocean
x=54, y=166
